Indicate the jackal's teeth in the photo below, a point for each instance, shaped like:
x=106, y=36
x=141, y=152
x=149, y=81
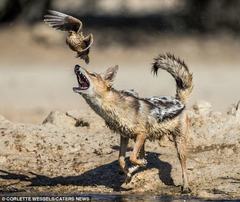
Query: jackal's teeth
x=83, y=81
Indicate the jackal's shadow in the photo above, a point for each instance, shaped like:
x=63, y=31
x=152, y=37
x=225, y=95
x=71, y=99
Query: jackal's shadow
x=105, y=175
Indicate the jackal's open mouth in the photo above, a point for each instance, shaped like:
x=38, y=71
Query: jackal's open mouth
x=82, y=80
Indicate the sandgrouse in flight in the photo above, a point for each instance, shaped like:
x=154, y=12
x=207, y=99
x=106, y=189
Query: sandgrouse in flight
x=75, y=39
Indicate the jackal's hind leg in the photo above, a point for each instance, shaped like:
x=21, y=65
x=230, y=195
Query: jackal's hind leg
x=139, y=143
x=180, y=143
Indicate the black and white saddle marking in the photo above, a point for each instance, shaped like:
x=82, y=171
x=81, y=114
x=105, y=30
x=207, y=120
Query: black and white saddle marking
x=163, y=107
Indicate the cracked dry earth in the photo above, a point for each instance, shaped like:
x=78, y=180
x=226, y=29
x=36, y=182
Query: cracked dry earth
x=75, y=152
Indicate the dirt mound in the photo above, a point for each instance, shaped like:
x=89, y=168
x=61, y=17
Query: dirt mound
x=75, y=152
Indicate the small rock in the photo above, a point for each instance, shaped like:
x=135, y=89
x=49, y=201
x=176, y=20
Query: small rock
x=235, y=110
x=202, y=107
x=60, y=119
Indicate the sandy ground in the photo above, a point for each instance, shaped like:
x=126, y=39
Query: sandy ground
x=74, y=152
x=36, y=77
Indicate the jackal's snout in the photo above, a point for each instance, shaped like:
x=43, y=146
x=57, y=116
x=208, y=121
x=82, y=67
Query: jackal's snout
x=82, y=78
x=76, y=69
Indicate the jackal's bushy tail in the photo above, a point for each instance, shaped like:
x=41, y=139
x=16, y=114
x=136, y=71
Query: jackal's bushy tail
x=179, y=70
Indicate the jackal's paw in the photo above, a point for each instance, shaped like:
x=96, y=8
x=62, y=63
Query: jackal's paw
x=186, y=190
x=139, y=162
x=142, y=162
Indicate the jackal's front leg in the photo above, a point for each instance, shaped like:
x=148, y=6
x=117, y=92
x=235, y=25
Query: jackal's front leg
x=122, y=154
x=134, y=168
x=139, y=144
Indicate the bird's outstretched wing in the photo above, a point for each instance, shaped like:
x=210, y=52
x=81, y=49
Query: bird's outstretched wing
x=62, y=21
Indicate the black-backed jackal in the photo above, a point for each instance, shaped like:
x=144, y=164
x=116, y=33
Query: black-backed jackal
x=141, y=118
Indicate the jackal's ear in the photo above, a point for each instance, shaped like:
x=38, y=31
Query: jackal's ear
x=110, y=74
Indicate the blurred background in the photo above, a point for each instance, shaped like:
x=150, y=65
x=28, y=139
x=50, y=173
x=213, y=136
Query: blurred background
x=36, y=66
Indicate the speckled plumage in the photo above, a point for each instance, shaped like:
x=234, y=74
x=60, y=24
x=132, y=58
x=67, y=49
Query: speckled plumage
x=75, y=38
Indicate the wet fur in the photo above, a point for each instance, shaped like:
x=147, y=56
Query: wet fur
x=133, y=117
